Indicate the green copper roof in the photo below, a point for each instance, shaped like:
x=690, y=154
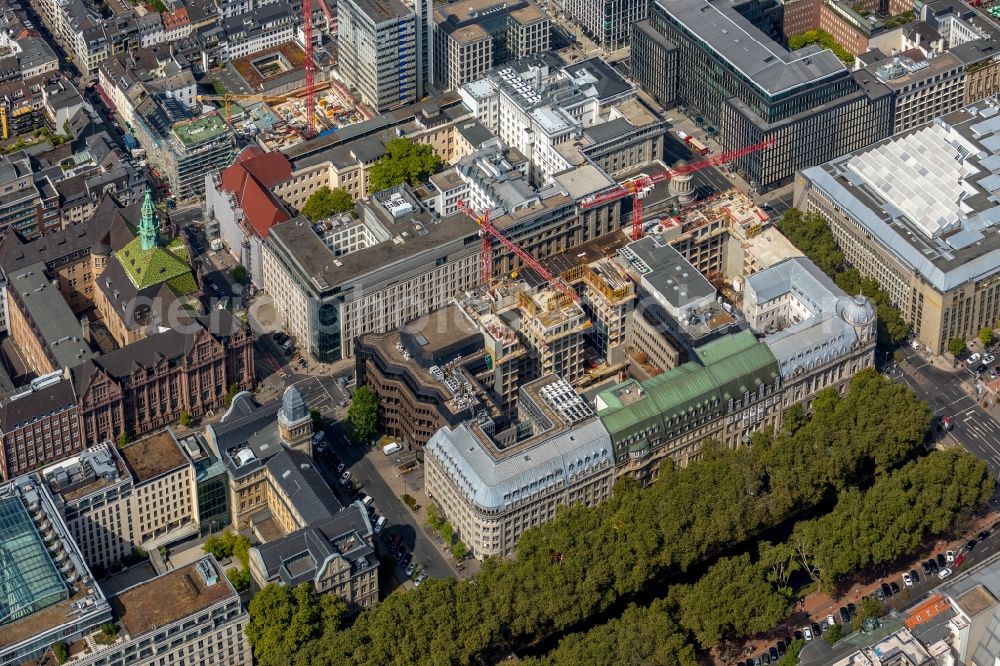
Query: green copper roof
x=148, y=268
x=149, y=223
x=732, y=365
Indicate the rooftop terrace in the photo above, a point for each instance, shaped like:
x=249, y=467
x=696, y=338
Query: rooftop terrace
x=171, y=597
x=152, y=456
x=200, y=130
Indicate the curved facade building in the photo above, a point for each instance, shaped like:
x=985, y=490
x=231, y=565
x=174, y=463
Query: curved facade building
x=495, y=485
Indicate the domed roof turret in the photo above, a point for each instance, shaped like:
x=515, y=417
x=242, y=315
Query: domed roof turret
x=858, y=311
x=293, y=406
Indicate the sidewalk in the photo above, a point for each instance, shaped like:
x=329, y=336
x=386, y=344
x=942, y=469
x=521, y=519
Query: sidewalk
x=818, y=605
x=411, y=483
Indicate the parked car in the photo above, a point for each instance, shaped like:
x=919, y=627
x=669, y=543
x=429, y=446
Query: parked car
x=781, y=647
x=880, y=592
x=934, y=564
x=941, y=559
x=886, y=590
x=907, y=581
x=944, y=573
x=980, y=369
x=421, y=577
x=380, y=524
x=949, y=555
x=983, y=535
x=894, y=586
x=845, y=615
x=972, y=360
x=852, y=609
x=914, y=577
x=773, y=652
x=807, y=633
x=765, y=659
x=995, y=527
x=410, y=568
x=969, y=547
x=915, y=344
x=958, y=561
x=926, y=566
x=989, y=358
x=340, y=468
x=345, y=477
x=798, y=635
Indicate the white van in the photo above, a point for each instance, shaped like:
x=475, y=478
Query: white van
x=380, y=525
x=389, y=449
x=367, y=501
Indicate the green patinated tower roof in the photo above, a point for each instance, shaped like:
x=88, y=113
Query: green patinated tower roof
x=148, y=263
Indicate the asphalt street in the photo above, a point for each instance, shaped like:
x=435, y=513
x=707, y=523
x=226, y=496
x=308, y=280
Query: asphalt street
x=387, y=504
x=974, y=428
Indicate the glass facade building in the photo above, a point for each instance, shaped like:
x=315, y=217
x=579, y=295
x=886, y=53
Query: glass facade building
x=213, y=495
x=733, y=77
x=29, y=579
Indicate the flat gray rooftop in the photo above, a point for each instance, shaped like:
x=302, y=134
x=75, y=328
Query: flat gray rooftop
x=666, y=272
x=317, y=262
x=746, y=49
x=59, y=328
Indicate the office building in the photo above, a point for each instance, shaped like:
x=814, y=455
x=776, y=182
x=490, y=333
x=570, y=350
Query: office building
x=378, y=51
x=429, y=374
x=674, y=295
x=539, y=106
x=49, y=592
x=147, y=284
x=923, y=88
x=730, y=389
x=414, y=265
x=493, y=485
x=917, y=213
x=190, y=615
x=820, y=336
x=751, y=89
x=39, y=423
x=471, y=38
x=240, y=200
x=971, y=36
x=146, y=385
x=113, y=502
x=974, y=629
x=607, y=22
x=273, y=487
x=335, y=555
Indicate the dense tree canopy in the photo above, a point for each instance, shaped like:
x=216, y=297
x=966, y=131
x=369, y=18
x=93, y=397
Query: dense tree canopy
x=810, y=233
x=824, y=39
x=732, y=599
x=404, y=162
x=647, y=636
x=894, y=516
x=363, y=414
x=283, y=620
x=324, y=202
x=576, y=566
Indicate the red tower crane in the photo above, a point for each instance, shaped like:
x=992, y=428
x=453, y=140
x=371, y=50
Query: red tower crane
x=307, y=37
x=639, y=186
x=488, y=232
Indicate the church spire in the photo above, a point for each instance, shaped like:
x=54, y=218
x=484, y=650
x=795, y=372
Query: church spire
x=149, y=225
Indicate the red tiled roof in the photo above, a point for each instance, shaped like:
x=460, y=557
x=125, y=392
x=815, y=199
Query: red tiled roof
x=176, y=18
x=249, y=179
x=926, y=611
